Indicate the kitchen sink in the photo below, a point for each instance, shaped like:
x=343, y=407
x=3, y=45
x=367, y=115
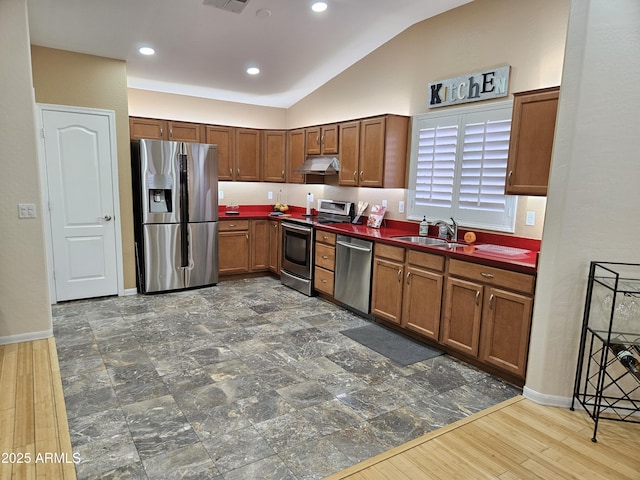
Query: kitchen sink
x=434, y=242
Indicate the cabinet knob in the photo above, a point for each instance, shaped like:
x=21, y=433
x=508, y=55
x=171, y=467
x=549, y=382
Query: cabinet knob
x=325, y=257
x=408, y=277
x=238, y=170
x=509, y=177
x=400, y=275
x=491, y=302
x=486, y=275
x=355, y=175
x=478, y=297
x=230, y=172
x=323, y=281
x=361, y=174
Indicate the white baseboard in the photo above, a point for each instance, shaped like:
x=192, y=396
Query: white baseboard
x=26, y=337
x=544, y=399
x=129, y=291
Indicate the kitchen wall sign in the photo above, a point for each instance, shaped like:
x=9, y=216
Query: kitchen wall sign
x=473, y=87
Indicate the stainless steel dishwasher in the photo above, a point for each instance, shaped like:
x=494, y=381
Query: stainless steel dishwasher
x=353, y=272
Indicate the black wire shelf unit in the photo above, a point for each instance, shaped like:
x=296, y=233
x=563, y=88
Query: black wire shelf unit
x=607, y=382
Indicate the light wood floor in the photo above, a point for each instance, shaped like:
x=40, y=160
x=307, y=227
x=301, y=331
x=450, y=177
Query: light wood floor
x=34, y=433
x=516, y=439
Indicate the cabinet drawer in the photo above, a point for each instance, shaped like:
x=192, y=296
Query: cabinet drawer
x=325, y=256
x=520, y=282
x=326, y=237
x=323, y=280
x=233, y=225
x=389, y=251
x=426, y=260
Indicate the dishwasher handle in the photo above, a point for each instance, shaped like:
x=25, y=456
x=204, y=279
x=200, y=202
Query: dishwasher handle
x=354, y=247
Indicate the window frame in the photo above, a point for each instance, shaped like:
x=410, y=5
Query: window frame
x=461, y=117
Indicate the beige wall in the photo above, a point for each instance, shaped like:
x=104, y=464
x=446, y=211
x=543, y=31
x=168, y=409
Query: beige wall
x=24, y=292
x=593, y=191
x=66, y=78
x=169, y=106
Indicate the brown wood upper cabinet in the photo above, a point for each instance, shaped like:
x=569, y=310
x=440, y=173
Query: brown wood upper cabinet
x=373, y=152
x=295, y=155
x=274, y=148
x=225, y=138
x=532, y=128
x=321, y=140
x=154, y=129
x=247, y=167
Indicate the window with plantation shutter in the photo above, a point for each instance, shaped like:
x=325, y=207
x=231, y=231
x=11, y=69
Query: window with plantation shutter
x=458, y=167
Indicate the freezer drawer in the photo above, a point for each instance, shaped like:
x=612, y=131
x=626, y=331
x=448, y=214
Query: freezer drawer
x=202, y=263
x=162, y=258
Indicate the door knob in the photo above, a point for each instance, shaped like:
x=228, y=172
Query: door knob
x=107, y=217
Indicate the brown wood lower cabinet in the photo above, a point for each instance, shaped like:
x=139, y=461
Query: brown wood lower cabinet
x=407, y=288
x=233, y=247
x=325, y=262
x=244, y=246
x=485, y=321
x=275, y=246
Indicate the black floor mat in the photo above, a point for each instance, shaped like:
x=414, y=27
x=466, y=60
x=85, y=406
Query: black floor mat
x=392, y=345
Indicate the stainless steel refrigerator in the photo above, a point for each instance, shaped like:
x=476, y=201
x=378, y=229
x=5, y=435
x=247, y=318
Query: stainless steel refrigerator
x=175, y=198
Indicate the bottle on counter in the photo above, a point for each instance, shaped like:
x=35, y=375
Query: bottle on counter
x=424, y=227
x=626, y=358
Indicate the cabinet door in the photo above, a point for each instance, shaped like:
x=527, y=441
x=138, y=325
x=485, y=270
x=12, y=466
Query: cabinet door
x=422, y=299
x=386, y=295
x=149, y=128
x=312, y=140
x=349, y=153
x=462, y=315
x=532, y=128
x=233, y=252
x=185, y=132
x=247, y=155
x=296, y=155
x=372, y=137
x=224, y=138
x=329, y=139
x=274, y=153
x=275, y=246
x=506, y=322
x=260, y=250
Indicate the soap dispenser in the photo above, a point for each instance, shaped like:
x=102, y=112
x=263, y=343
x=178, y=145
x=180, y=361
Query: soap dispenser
x=424, y=227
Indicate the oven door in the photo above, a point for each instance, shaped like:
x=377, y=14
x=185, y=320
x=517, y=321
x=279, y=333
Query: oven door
x=297, y=249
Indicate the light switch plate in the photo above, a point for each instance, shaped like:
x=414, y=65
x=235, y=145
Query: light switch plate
x=531, y=218
x=220, y=194
x=401, y=206
x=384, y=203
x=270, y=196
x=26, y=210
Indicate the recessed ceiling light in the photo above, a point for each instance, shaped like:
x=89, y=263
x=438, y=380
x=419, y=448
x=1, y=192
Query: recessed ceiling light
x=319, y=6
x=146, y=50
x=253, y=70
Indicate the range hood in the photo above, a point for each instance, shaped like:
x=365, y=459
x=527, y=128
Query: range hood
x=319, y=166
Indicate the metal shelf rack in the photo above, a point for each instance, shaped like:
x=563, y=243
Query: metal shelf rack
x=604, y=387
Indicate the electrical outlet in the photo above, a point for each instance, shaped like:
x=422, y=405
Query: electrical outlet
x=220, y=194
x=270, y=196
x=530, y=218
x=401, y=206
x=384, y=203
x=26, y=210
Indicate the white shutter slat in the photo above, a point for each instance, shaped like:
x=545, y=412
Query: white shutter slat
x=435, y=171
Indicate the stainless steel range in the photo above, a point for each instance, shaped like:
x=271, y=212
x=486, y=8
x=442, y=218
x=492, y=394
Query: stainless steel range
x=298, y=240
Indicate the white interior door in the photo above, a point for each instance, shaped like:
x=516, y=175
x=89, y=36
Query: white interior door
x=79, y=156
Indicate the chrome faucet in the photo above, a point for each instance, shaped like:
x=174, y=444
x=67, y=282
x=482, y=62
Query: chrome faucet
x=452, y=230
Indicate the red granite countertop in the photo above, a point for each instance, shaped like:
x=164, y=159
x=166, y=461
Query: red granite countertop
x=494, y=249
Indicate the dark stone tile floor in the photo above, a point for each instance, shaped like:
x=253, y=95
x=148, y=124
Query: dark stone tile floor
x=244, y=380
